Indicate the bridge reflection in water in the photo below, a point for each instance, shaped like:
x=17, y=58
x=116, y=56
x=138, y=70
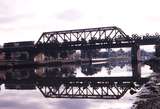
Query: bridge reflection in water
x=61, y=82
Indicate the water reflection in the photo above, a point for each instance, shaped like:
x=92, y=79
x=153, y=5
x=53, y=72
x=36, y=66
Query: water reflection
x=63, y=71
x=93, y=68
x=63, y=82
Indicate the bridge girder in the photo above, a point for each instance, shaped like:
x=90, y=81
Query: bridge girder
x=100, y=90
x=81, y=87
x=82, y=39
x=108, y=33
x=52, y=43
x=91, y=88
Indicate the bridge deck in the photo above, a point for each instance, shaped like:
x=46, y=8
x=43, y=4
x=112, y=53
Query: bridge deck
x=86, y=46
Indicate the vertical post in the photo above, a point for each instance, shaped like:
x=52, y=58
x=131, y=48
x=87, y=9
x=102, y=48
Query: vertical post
x=89, y=55
x=83, y=54
x=31, y=56
x=86, y=54
x=135, y=58
x=7, y=55
x=157, y=50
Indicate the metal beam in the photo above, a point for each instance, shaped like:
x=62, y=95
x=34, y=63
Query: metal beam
x=84, y=90
x=80, y=34
x=92, y=87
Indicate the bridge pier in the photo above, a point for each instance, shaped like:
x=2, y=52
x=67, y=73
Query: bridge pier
x=86, y=54
x=157, y=50
x=135, y=58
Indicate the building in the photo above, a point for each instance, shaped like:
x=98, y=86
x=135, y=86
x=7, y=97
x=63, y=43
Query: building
x=19, y=55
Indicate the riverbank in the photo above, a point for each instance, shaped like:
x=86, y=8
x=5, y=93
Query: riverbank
x=149, y=96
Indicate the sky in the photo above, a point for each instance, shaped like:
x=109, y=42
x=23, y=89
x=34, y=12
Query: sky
x=22, y=20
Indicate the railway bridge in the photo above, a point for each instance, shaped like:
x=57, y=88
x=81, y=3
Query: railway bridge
x=51, y=43
x=87, y=39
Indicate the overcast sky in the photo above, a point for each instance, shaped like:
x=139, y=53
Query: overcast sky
x=26, y=19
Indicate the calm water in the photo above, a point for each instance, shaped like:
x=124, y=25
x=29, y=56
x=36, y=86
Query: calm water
x=33, y=99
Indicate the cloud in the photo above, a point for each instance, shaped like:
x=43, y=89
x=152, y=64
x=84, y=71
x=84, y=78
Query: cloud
x=13, y=99
x=33, y=99
x=155, y=19
x=69, y=15
x=7, y=104
x=21, y=104
x=22, y=20
x=5, y=7
x=73, y=103
x=6, y=12
x=12, y=18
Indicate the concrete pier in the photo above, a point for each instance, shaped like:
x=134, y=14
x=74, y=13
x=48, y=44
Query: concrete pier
x=135, y=58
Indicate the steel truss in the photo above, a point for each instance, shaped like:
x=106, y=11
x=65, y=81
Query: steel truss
x=85, y=39
x=82, y=35
x=86, y=89
x=81, y=87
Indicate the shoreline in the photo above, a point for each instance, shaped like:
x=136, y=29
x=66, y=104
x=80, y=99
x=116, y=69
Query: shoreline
x=149, y=96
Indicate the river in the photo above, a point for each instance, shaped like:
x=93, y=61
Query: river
x=15, y=96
